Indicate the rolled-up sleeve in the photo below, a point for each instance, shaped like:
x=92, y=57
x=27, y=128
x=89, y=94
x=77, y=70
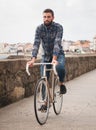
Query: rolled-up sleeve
x=36, y=44
x=58, y=40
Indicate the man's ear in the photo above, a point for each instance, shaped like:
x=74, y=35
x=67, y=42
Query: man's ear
x=53, y=18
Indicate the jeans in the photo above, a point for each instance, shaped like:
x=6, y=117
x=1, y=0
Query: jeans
x=60, y=68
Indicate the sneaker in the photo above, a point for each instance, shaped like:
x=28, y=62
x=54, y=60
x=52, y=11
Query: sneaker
x=43, y=108
x=63, y=89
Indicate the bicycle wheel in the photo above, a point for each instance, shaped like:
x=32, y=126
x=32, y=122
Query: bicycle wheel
x=58, y=98
x=41, y=98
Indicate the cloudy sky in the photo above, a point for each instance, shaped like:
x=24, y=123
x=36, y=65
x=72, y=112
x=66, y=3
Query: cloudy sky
x=19, y=18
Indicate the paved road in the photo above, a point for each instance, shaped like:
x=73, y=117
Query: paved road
x=78, y=113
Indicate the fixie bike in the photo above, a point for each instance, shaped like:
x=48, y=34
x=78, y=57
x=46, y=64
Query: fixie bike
x=45, y=95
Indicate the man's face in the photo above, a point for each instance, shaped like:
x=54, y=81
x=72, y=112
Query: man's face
x=47, y=18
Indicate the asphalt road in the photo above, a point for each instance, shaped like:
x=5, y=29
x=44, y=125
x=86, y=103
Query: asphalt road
x=78, y=113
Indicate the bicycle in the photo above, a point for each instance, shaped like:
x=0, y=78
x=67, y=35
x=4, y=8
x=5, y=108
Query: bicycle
x=44, y=94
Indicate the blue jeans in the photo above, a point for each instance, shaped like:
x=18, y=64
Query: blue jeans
x=60, y=67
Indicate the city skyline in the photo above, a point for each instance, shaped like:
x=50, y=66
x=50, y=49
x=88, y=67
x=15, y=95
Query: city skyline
x=19, y=19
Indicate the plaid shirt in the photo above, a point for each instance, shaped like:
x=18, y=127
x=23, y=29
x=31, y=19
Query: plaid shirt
x=51, y=39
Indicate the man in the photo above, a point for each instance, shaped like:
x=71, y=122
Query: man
x=49, y=34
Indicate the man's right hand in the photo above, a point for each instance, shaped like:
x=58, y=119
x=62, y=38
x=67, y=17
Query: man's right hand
x=31, y=62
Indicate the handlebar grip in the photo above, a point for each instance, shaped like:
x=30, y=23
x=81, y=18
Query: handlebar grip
x=27, y=69
x=54, y=69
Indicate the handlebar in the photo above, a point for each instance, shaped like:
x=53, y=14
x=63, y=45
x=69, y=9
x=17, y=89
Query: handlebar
x=54, y=67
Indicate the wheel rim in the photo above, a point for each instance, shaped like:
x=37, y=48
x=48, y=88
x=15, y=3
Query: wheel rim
x=40, y=100
x=58, y=98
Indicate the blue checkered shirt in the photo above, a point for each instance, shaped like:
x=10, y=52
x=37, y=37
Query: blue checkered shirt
x=50, y=38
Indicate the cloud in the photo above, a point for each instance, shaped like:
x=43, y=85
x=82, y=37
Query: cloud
x=19, y=18
x=71, y=3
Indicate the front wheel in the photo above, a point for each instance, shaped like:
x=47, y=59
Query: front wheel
x=58, y=98
x=41, y=98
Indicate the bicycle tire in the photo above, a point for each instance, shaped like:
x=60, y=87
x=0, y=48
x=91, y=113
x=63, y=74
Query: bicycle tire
x=39, y=100
x=58, y=98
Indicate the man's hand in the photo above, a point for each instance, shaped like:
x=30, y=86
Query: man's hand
x=55, y=63
x=54, y=60
x=31, y=62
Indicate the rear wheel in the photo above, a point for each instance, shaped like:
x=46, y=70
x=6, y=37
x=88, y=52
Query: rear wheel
x=58, y=98
x=41, y=98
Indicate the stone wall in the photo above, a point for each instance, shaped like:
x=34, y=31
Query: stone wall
x=15, y=84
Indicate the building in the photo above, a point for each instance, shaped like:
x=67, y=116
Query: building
x=82, y=46
x=1, y=47
x=94, y=43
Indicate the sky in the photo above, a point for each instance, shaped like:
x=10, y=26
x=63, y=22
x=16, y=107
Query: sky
x=19, y=19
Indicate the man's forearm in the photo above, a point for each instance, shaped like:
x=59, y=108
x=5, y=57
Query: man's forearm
x=54, y=57
x=33, y=59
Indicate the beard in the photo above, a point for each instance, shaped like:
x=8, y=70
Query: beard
x=47, y=23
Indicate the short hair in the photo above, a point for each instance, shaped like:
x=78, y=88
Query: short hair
x=49, y=11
